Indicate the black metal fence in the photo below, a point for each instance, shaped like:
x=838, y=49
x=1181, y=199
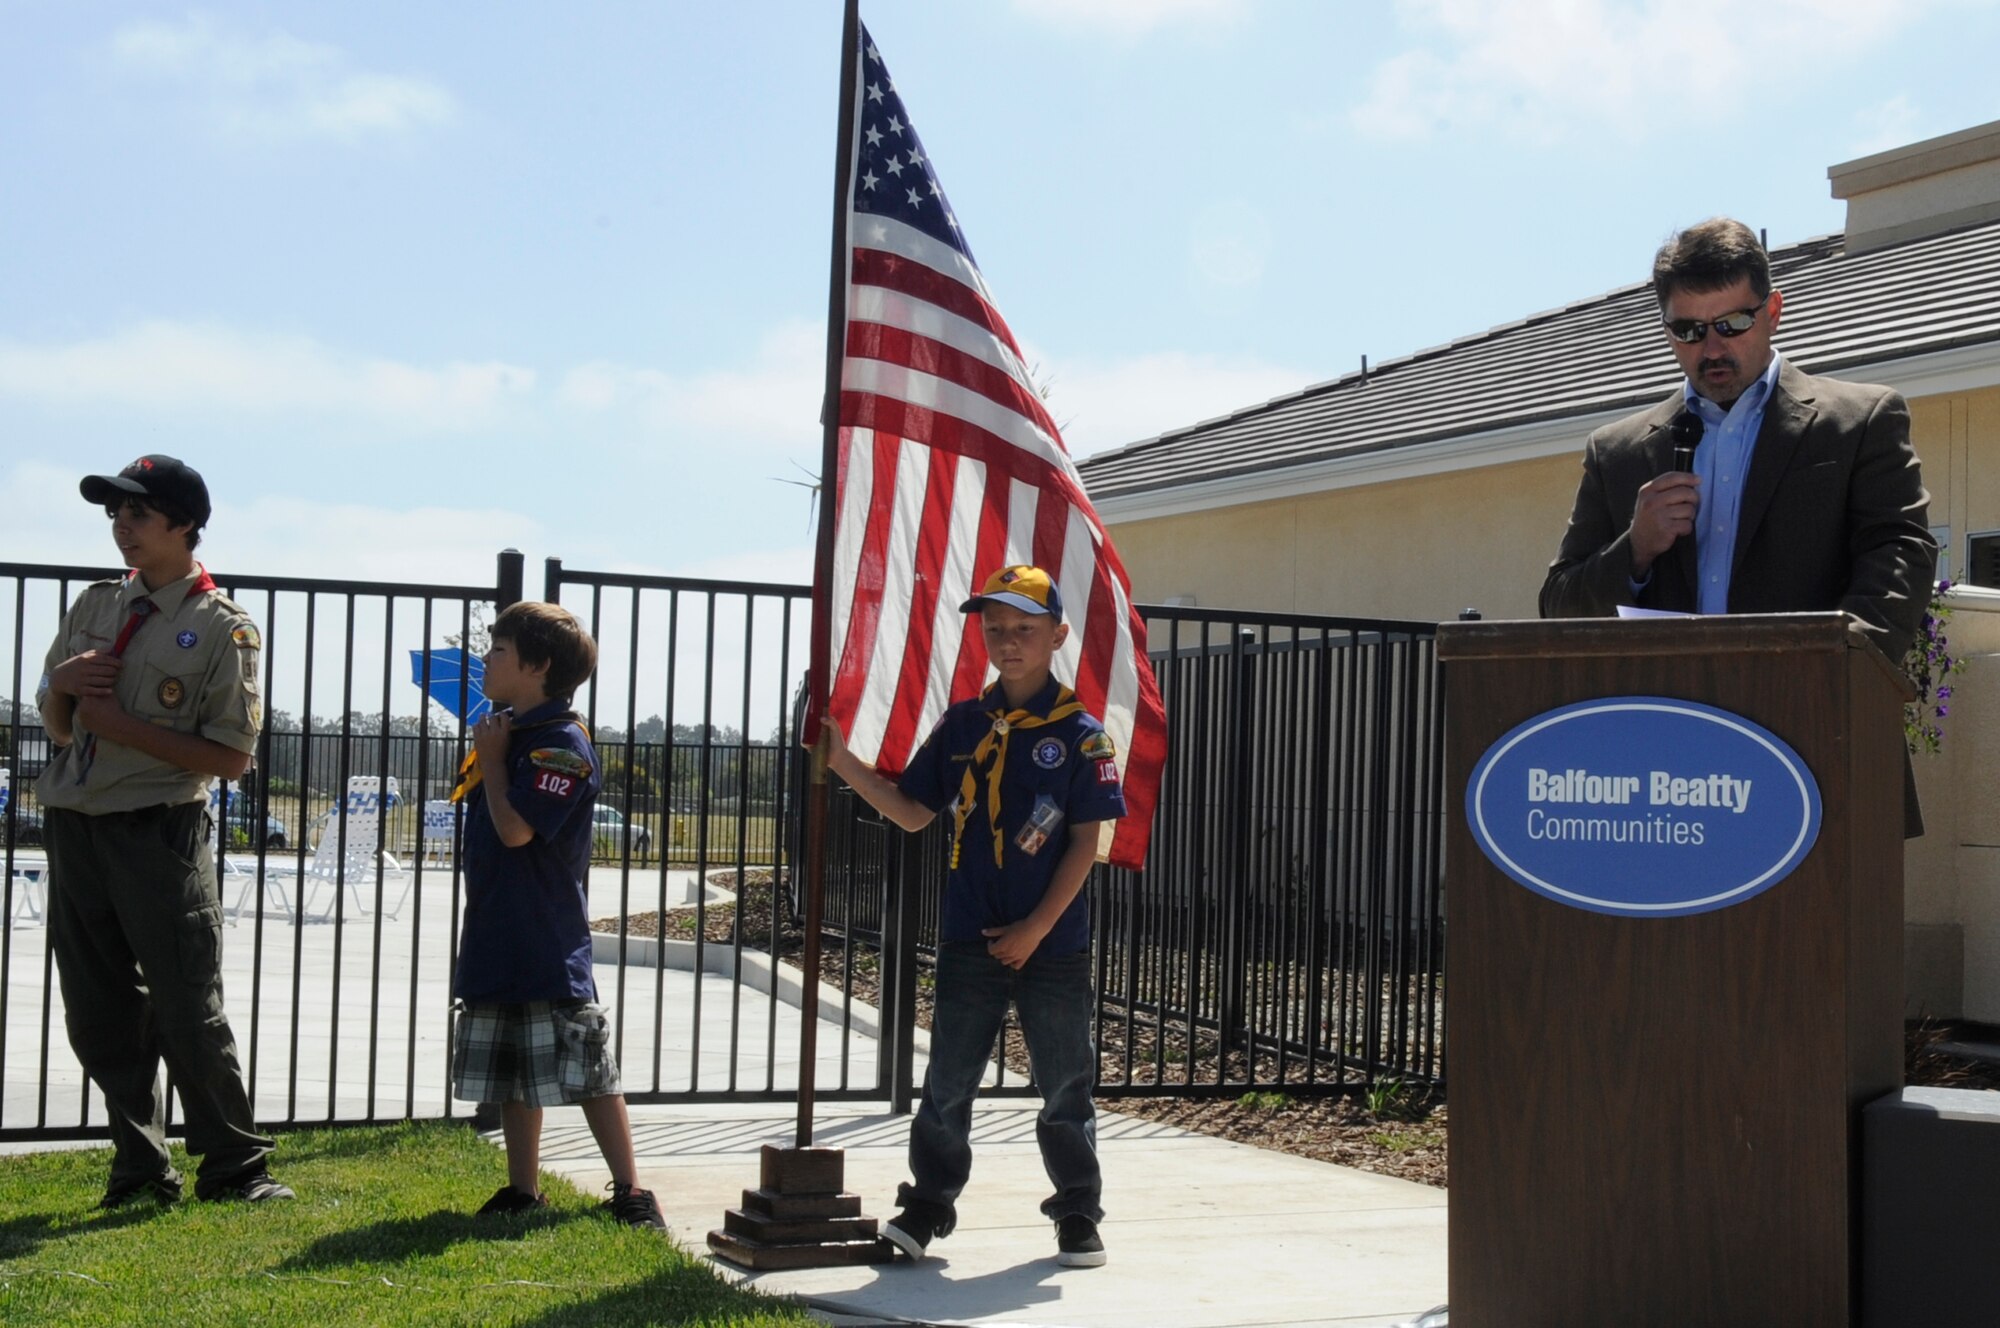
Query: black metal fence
x=1286, y=932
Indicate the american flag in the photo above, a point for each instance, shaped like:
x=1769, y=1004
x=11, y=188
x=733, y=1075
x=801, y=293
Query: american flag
x=949, y=469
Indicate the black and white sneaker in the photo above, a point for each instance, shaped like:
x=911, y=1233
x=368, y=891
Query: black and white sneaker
x=1077, y=1243
x=256, y=1187
x=164, y=1188
x=633, y=1206
x=507, y=1200
x=910, y=1232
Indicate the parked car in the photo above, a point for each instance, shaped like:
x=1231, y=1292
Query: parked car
x=266, y=832
x=21, y=827
x=610, y=831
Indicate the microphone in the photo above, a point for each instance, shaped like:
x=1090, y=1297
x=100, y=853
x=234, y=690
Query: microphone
x=1686, y=431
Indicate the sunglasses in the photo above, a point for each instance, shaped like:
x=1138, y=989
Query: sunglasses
x=1690, y=330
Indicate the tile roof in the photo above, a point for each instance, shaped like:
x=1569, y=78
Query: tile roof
x=1605, y=353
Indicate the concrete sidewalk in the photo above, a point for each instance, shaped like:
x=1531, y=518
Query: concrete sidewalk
x=1201, y=1232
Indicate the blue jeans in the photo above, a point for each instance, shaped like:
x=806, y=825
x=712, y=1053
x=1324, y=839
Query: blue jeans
x=1052, y=997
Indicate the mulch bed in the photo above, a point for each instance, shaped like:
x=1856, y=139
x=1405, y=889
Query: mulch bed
x=1393, y=1130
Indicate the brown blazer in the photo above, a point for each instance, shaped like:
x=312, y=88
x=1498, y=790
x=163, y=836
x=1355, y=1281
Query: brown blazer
x=1834, y=516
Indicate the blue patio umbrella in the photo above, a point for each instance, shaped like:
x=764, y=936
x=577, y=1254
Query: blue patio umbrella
x=457, y=681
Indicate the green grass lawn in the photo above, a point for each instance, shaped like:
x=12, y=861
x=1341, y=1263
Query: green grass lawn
x=382, y=1233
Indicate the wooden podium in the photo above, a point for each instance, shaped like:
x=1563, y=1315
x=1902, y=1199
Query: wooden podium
x=1656, y=1120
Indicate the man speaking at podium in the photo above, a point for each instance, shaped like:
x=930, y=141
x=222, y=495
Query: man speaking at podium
x=1755, y=487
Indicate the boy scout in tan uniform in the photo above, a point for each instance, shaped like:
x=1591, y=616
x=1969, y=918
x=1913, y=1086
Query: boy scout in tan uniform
x=150, y=692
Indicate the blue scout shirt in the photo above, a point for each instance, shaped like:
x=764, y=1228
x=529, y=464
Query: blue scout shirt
x=527, y=934
x=1058, y=775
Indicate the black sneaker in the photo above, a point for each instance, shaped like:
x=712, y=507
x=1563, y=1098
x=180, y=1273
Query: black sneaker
x=165, y=1188
x=1077, y=1245
x=633, y=1206
x=256, y=1187
x=910, y=1232
x=508, y=1200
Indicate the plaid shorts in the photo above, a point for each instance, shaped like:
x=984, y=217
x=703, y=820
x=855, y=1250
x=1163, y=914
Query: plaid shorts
x=542, y=1053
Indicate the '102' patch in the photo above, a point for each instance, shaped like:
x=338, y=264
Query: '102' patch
x=559, y=771
x=548, y=781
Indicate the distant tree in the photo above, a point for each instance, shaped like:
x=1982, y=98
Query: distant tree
x=480, y=639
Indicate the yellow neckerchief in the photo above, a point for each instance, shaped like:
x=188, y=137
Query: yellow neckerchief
x=469, y=774
x=991, y=754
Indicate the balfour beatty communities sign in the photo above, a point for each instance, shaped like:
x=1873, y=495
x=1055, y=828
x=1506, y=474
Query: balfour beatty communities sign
x=1643, y=806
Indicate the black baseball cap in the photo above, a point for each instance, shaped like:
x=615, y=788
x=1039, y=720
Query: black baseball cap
x=166, y=478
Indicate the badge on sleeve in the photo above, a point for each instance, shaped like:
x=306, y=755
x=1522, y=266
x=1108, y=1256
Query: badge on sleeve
x=186, y=640
x=1107, y=772
x=558, y=771
x=246, y=636
x=1049, y=753
x=561, y=760
x=1098, y=746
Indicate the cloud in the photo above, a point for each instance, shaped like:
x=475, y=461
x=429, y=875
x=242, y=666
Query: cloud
x=1129, y=18
x=1230, y=244
x=1107, y=403
x=773, y=401
x=273, y=535
x=1887, y=124
x=195, y=368
x=276, y=85
x=1542, y=68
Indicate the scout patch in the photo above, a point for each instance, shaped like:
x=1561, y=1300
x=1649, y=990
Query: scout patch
x=1107, y=772
x=1097, y=746
x=1049, y=753
x=172, y=693
x=249, y=667
x=256, y=714
x=186, y=640
x=561, y=760
x=246, y=636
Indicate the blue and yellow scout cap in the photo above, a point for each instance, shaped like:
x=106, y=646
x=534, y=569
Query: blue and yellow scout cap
x=1028, y=589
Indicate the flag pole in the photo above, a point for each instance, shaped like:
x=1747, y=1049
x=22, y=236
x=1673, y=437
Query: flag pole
x=821, y=651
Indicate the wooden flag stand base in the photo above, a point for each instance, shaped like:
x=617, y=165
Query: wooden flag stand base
x=801, y=1216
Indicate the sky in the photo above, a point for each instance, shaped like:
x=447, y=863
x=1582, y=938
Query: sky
x=411, y=284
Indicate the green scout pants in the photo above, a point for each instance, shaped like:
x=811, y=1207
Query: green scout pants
x=135, y=920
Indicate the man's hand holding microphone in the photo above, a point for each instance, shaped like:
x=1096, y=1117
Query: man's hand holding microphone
x=1668, y=503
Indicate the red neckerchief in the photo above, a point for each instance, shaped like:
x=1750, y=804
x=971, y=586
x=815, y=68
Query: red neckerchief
x=144, y=606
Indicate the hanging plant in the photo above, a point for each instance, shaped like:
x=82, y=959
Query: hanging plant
x=1930, y=666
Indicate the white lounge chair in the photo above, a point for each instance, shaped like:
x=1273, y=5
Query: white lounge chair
x=440, y=831
x=351, y=852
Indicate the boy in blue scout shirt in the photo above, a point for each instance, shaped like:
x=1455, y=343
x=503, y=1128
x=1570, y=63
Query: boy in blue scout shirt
x=1030, y=778
x=530, y=1032
x=144, y=715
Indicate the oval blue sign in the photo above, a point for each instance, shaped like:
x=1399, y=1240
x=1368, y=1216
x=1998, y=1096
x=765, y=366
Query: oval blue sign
x=1643, y=806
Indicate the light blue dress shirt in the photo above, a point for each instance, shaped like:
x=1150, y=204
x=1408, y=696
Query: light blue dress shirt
x=1723, y=463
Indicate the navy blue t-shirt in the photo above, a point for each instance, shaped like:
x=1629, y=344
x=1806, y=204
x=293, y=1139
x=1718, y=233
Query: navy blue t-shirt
x=1056, y=776
x=527, y=932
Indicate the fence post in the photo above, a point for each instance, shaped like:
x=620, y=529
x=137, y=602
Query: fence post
x=508, y=592
x=1231, y=982
x=552, y=580
x=902, y=973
